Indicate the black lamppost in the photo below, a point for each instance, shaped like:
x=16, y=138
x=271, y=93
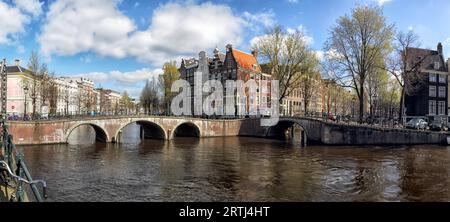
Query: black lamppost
x=375, y=104
x=353, y=107
x=25, y=90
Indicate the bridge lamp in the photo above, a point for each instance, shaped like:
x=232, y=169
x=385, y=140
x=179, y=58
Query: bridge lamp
x=353, y=107
x=25, y=90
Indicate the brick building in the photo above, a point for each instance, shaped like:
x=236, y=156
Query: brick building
x=231, y=65
x=429, y=98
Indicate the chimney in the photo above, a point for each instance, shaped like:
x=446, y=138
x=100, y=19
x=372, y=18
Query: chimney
x=216, y=52
x=448, y=65
x=255, y=53
x=17, y=62
x=439, y=48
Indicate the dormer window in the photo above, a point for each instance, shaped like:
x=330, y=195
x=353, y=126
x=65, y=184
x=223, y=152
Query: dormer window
x=254, y=67
x=437, y=65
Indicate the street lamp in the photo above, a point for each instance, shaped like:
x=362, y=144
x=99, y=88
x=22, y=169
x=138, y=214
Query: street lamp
x=25, y=90
x=375, y=103
x=353, y=107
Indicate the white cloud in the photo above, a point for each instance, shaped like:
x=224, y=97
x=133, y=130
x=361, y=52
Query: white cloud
x=12, y=22
x=447, y=42
x=135, y=76
x=256, y=39
x=123, y=78
x=122, y=81
x=20, y=49
x=74, y=26
x=320, y=55
x=86, y=59
x=292, y=1
x=33, y=7
x=308, y=39
x=97, y=77
x=332, y=54
x=256, y=20
x=176, y=29
x=382, y=2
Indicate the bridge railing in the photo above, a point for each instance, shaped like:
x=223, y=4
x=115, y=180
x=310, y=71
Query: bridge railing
x=88, y=117
x=14, y=170
x=349, y=120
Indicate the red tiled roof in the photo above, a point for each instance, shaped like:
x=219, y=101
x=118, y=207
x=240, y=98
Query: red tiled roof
x=246, y=60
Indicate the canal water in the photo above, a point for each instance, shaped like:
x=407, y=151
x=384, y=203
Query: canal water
x=236, y=169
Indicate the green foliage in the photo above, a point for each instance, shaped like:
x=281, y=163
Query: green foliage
x=166, y=80
x=287, y=58
x=356, y=46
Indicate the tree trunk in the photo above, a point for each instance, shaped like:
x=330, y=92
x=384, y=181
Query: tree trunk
x=361, y=104
x=402, y=105
x=306, y=107
x=34, y=106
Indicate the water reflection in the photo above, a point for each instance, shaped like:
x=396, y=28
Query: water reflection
x=236, y=169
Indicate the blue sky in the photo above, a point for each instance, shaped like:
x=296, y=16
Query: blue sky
x=120, y=44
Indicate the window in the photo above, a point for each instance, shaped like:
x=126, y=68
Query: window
x=432, y=107
x=432, y=77
x=437, y=65
x=432, y=91
x=442, y=78
x=441, y=108
x=442, y=92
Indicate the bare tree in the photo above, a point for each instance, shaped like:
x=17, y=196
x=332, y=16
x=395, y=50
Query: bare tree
x=309, y=85
x=49, y=90
x=66, y=97
x=376, y=82
x=356, y=41
x=407, y=75
x=105, y=104
x=34, y=66
x=53, y=94
x=150, y=99
x=287, y=56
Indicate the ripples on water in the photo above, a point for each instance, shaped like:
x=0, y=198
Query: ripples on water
x=236, y=169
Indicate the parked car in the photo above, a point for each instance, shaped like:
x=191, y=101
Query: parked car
x=437, y=125
x=331, y=117
x=417, y=124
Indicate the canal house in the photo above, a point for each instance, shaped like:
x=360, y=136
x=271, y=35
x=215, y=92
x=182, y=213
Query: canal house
x=426, y=87
x=231, y=65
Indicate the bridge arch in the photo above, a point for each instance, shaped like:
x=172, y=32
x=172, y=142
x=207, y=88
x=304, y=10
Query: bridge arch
x=101, y=135
x=289, y=130
x=151, y=130
x=186, y=129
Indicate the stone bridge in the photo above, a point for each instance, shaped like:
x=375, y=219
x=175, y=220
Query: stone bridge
x=108, y=129
x=300, y=130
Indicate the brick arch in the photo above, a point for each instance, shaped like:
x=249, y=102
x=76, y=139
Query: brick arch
x=101, y=135
x=283, y=125
x=144, y=121
x=189, y=123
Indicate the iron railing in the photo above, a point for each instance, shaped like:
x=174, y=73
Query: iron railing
x=15, y=172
